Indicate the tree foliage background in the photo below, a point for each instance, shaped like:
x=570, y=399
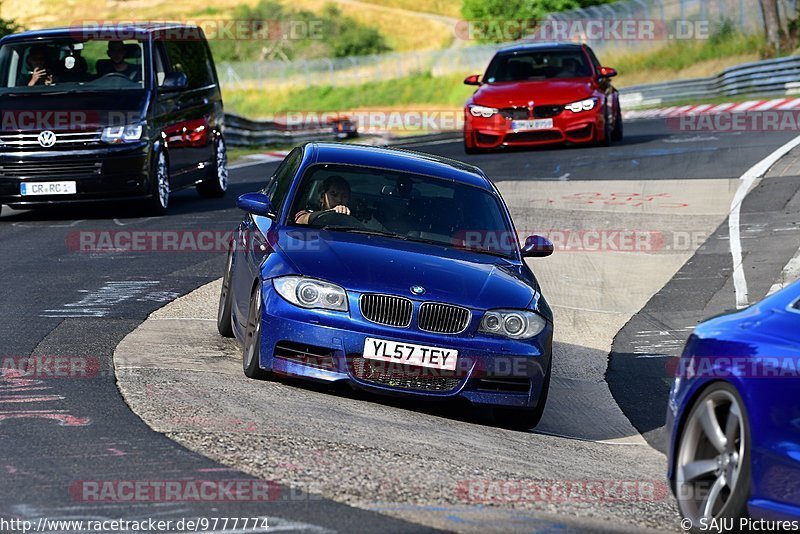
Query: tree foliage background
x=325, y=34
x=487, y=12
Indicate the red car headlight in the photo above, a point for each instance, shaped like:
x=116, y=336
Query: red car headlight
x=582, y=105
x=482, y=111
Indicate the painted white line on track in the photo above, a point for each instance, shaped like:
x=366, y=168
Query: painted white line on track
x=747, y=179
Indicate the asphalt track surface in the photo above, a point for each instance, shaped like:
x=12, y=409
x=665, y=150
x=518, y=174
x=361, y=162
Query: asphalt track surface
x=55, y=301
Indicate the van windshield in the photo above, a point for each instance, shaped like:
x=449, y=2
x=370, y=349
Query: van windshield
x=65, y=64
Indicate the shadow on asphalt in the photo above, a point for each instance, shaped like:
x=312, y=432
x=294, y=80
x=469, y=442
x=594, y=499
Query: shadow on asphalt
x=576, y=408
x=184, y=202
x=632, y=140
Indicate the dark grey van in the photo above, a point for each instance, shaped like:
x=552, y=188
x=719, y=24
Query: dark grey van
x=130, y=113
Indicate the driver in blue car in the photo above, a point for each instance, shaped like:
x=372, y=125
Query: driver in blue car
x=334, y=197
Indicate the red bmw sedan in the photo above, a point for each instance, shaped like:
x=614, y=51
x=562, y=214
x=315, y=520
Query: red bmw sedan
x=542, y=93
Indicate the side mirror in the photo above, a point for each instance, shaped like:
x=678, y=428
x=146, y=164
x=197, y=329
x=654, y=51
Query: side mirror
x=537, y=246
x=256, y=203
x=475, y=79
x=174, y=81
x=607, y=72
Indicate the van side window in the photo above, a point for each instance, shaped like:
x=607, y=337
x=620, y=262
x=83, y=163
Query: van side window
x=278, y=186
x=190, y=58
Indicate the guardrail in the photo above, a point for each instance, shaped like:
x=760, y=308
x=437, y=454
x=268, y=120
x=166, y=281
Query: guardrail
x=240, y=131
x=771, y=77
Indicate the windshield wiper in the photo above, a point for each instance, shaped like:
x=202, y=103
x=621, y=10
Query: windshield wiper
x=365, y=231
x=460, y=247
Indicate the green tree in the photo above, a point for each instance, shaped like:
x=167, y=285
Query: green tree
x=8, y=26
x=506, y=20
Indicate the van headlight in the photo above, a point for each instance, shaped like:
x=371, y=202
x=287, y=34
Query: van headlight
x=311, y=293
x=122, y=134
x=482, y=111
x=515, y=324
x=582, y=105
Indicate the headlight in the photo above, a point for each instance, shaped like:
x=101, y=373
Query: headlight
x=311, y=293
x=122, y=134
x=581, y=105
x=482, y=111
x=516, y=324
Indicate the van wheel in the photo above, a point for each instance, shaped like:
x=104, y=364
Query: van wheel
x=216, y=183
x=159, y=202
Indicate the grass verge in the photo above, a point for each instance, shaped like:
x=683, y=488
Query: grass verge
x=422, y=91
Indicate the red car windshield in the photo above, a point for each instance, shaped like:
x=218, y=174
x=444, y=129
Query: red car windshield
x=537, y=65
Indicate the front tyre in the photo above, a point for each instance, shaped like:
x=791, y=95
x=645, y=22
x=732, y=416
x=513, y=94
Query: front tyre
x=224, y=322
x=251, y=352
x=216, y=182
x=712, y=466
x=616, y=134
x=607, y=129
x=524, y=418
x=469, y=148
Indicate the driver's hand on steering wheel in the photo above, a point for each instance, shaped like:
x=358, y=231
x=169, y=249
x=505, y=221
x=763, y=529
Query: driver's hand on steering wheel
x=344, y=210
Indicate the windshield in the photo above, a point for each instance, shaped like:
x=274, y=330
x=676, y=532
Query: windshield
x=403, y=206
x=66, y=64
x=537, y=65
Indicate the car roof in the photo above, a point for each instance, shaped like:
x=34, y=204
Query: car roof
x=398, y=159
x=555, y=45
x=106, y=30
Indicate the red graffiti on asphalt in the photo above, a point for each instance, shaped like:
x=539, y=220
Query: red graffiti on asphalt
x=661, y=200
x=12, y=385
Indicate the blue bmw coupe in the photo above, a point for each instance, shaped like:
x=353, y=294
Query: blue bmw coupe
x=734, y=417
x=397, y=272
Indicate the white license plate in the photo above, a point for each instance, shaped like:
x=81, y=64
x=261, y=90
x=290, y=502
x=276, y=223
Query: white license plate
x=410, y=354
x=47, y=188
x=535, y=124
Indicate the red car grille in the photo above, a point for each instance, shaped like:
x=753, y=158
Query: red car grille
x=539, y=112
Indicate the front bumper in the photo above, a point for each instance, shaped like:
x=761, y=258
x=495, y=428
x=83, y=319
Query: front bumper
x=102, y=173
x=328, y=346
x=496, y=131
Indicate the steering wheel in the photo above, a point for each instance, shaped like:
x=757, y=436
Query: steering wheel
x=331, y=218
x=118, y=74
